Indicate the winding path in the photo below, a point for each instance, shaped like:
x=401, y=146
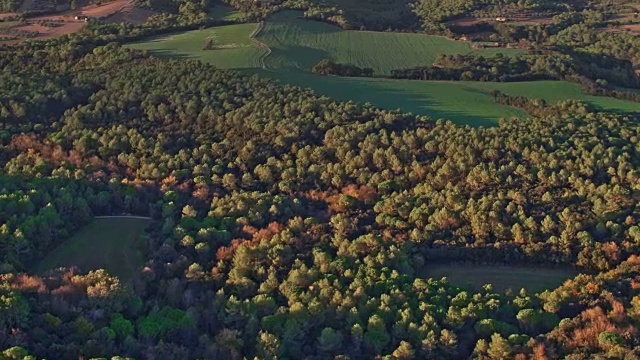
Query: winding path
x=260, y=44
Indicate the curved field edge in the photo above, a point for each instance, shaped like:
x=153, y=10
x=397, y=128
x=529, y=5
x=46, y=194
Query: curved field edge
x=298, y=44
x=469, y=103
x=110, y=243
x=439, y=100
x=227, y=47
x=465, y=102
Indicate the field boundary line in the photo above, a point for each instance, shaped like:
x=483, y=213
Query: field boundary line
x=260, y=44
x=122, y=217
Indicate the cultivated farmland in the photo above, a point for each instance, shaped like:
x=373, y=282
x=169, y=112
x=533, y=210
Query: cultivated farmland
x=298, y=44
x=225, y=47
x=106, y=243
x=440, y=100
x=463, y=102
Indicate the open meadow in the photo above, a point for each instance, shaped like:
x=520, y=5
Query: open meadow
x=465, y=102
x=534, y=280
x=225, y=46
x=299, y=44
x=105, y=243
x=295, y=45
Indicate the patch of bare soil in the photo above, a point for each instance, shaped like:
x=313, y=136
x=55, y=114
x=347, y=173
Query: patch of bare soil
x=47, y=32
x=104, y=10
x=132, y=15
x=469, y=21
x=532, y=20
x=115, y=11
x=634, y=28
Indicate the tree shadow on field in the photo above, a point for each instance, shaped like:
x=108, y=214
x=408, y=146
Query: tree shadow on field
x=297, y=57
x=170, y=54
x=295, y=18
x=423, y=104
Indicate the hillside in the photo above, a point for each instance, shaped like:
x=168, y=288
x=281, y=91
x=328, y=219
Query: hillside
x=298, y=44
x=290, y=63
x=228, y=181
x=271, y=206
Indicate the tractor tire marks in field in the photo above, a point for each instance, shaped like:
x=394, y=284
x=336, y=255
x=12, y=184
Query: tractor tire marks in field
x=260, y=44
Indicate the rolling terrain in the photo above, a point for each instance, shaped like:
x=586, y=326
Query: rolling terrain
x=223, y=200
x=298, y=44
x=228, y=47
x=232, y=47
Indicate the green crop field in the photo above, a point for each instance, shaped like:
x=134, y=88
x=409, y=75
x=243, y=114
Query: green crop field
x=440, y=100
x=231, y=46
x=110, y=244
x=534, y=280
x=299, y=44
x=554, y=91
x=465, y=102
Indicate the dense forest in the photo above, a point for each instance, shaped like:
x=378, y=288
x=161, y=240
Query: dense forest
x=291, y=226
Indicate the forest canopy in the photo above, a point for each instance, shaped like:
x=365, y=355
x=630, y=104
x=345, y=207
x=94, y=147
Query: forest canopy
x=284, y=225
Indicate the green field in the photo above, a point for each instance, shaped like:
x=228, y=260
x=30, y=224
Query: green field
x=298, y=44
x=442, y=99
x=534, y=280
x=220, y=12
x=110, y=244
x=554, y=91
x=232, y=46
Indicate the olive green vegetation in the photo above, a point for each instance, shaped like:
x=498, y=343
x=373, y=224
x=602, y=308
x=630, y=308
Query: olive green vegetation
x=459, y=102
x=463, y=102
x=299, y=44
x=534, y=280
x=230, y=46
x=105, y=243
x=221, y=12
x=554, y=91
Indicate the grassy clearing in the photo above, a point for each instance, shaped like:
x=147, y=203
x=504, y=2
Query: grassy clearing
x=221, y=12
x=109, y=244
x=298, y=44
x=534, y=280
x=554, y=91
x=440, y=100
x=463, y=102
x=231, y=46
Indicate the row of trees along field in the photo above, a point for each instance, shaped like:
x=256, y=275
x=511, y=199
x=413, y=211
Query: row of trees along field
x=430, y=15
x=291, y=226
x=598, y=75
